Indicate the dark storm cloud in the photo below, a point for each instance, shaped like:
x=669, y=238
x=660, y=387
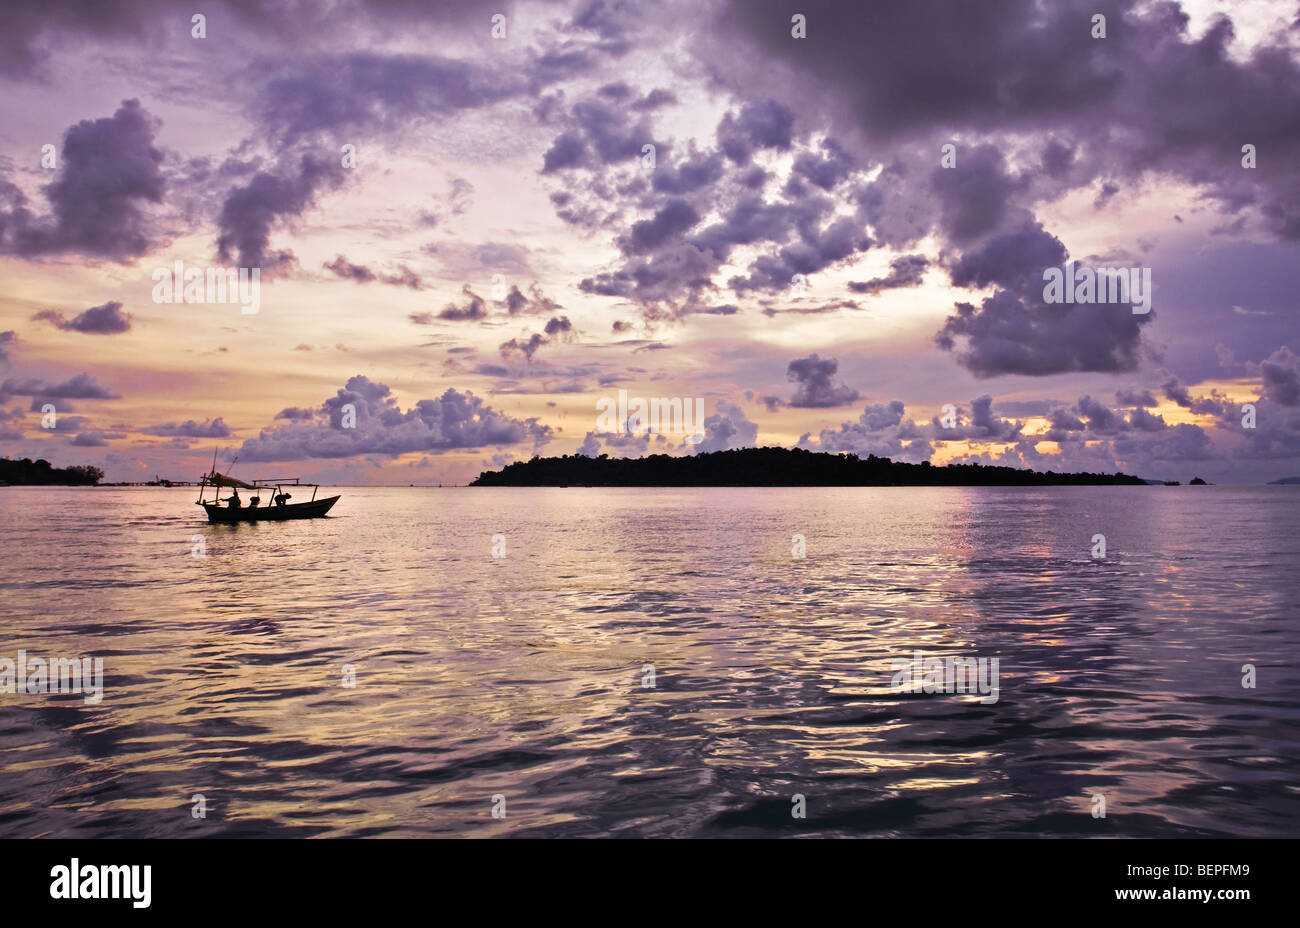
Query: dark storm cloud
x=1175, y=391
x=1145, y=421
x=558, y=328
x=567, y=151
x=108, y=172
x=98, y=320
x=723, y=309
x=30, y=29
x=981, y=424
x=38, y=403
x=515, y=301
x=611, y=20
x=1281, y=376
x=214, y=428
x=1135, y=397
x=1013, y=260
x=402, y=277
x=816, y=387
x=655, y=99
x=752, y=220
x=625, y=444
x=536, y=302
x=669, y=258
x=904, y=271
x=1089, y=436
x=770, y=310
x=25, y=25
x=675, y=271
x=726, y=429
x=827, y=167
x=559, y=325
x=880, y=430
x=346, y=269
x=1183, y=442
x=617, y=91
x=758, y=125
x=1027, y=407
x=526, y=347
x=598, y=134
x=82, y=386
x=1099, y=416
x=973, y=198
x=1016, y=65
x=1090, y=419
x=1007, y=336
x=270, y=198
x=695, y=171
x=674, y=218
x=1026, y=84
x=842, y=239
x=473, y=310
x=450, y=422
x=1062, y=421
x=911, y=65
x=367, y=92
x=1276, y=436
x=91, y=439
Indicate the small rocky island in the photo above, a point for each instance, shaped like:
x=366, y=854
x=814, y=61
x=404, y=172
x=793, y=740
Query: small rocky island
x=774, y=467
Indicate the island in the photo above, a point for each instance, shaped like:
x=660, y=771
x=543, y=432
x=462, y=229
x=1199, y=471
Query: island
x=774, y=467
x=41, y=473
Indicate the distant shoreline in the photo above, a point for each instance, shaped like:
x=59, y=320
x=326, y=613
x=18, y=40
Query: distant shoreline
x=774, y=467
x=40, y=473
x=760, y=467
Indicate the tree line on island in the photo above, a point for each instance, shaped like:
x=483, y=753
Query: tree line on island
x=773, y=467
x=42, y=473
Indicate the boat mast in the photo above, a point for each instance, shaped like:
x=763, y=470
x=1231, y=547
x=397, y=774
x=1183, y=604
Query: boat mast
x=204, y=482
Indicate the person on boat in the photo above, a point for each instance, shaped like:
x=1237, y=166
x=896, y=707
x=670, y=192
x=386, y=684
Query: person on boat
x=281, y=498
x=252, y=503
x=233, y=499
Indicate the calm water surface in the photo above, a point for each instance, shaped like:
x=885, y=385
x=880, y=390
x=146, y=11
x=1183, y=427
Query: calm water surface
x=523, y=675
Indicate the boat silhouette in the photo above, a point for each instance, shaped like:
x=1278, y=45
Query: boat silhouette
x=279, y=509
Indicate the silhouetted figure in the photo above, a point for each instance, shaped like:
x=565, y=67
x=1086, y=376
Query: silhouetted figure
x=252, y=503
x=281, y=498
x=233, y=499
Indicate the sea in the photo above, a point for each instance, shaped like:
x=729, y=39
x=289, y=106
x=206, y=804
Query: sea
x=645, y=662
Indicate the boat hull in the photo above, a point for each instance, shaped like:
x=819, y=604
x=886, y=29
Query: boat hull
x=312, y=510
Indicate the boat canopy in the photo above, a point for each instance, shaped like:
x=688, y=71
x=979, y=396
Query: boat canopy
x=215, y=479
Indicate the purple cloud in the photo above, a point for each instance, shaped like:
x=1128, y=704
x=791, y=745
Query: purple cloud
x=98, y=320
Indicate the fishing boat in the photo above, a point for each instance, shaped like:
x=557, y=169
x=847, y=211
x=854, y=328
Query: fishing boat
x=277, y=509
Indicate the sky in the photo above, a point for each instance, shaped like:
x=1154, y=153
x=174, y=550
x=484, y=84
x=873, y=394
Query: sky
x=473, y=225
